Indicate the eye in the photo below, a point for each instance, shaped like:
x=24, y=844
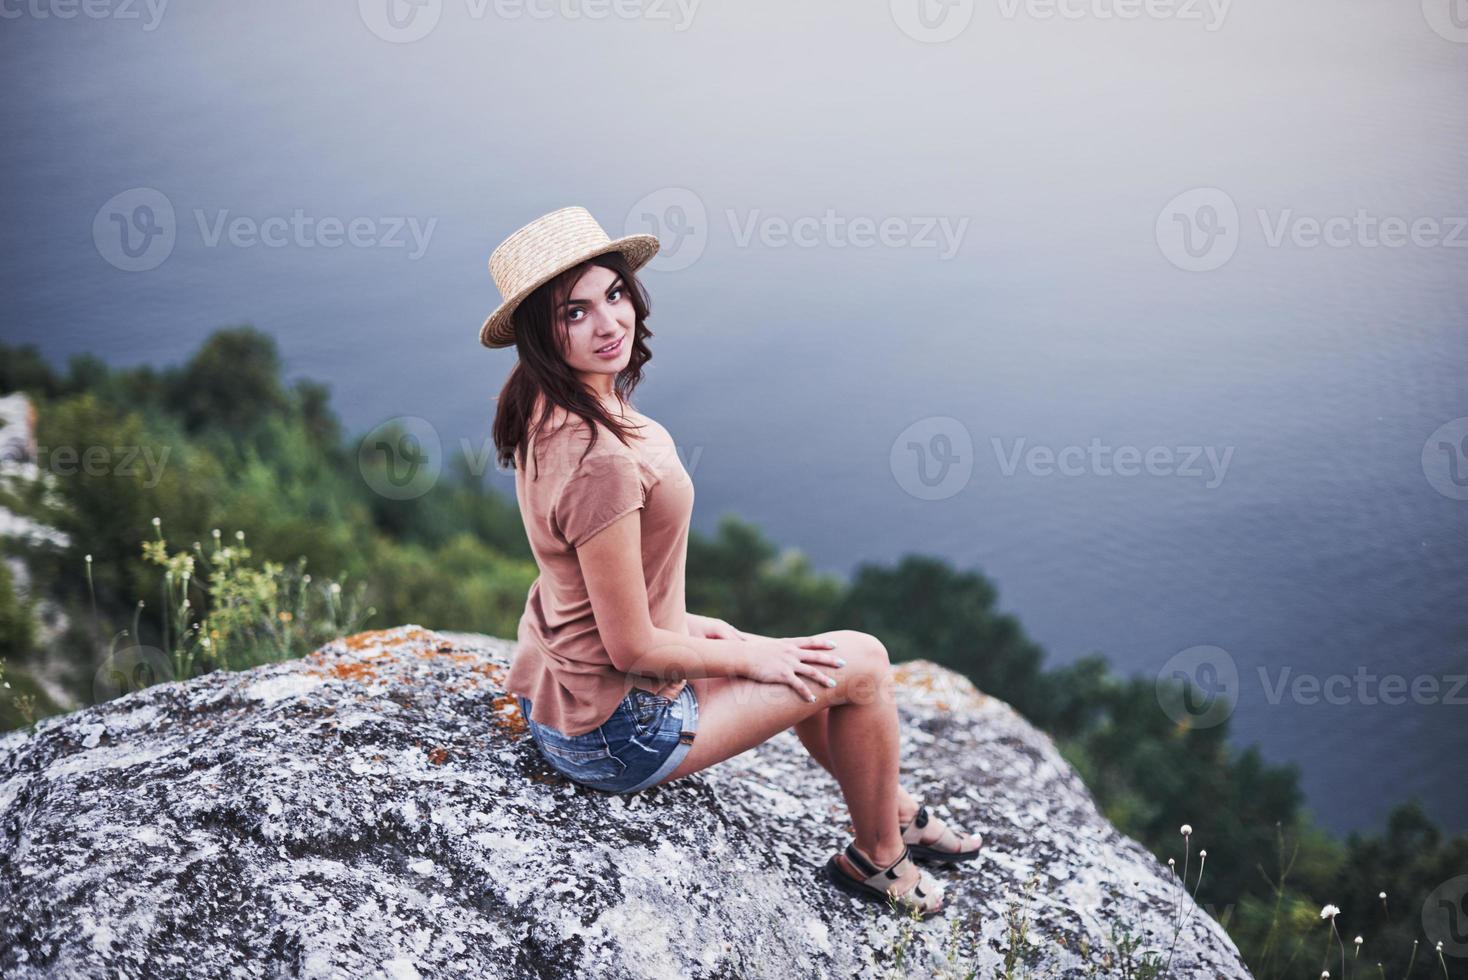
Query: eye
x=571, y=316
x=616, y=292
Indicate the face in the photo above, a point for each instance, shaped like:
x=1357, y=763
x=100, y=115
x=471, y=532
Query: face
x=597, y=314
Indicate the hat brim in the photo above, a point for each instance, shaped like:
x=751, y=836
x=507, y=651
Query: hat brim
x=498, y=329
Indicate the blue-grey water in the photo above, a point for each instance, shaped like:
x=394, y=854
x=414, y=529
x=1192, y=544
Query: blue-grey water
x=1107, y=281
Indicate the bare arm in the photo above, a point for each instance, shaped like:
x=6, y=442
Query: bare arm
x=611, y=563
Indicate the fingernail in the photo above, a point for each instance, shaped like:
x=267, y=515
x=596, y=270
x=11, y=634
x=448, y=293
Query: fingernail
x=840, y=662
x=830, y=682
x=812, y=697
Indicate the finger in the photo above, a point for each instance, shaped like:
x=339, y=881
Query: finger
x=821, y=678
x=801, y=689
x=812, y=643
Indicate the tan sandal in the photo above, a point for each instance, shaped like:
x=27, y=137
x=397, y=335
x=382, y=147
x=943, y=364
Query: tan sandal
x=930, y=839
x=924, y=896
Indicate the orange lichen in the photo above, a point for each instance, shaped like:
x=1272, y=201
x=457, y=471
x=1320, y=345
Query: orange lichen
x=438, y=755
x=359, y=641
x=507, y=715
x=354, y=672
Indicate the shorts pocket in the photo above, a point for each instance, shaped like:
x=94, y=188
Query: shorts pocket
x=647, y=709
x=585, y=758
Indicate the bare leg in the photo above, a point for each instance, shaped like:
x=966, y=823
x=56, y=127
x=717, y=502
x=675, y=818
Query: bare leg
x=814, y=735
x=736, y=714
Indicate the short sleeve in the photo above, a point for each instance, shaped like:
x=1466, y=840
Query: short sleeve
x=602, y=489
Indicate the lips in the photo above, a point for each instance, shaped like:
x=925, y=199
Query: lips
x=614, y=350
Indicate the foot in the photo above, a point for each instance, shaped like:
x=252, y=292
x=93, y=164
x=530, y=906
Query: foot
x=905, y=880
x=931, y=839
x=899, y=880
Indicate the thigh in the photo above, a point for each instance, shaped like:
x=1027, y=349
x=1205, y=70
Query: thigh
x=735, y=714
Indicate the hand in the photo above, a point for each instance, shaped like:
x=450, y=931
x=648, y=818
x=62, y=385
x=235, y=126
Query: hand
x=713, y=629
x=792, y=661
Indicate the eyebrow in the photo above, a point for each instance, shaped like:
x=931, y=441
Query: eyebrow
x=582, y=302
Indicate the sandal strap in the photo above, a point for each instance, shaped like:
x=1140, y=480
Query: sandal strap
x=913, y=833
x=927, y=889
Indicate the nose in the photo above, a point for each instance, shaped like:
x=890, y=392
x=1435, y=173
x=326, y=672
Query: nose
x=607, y=327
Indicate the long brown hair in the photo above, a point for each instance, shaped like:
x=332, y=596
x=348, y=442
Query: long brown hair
x=542, y=368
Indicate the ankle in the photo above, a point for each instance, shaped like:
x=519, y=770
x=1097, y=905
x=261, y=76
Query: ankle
x=882, y=853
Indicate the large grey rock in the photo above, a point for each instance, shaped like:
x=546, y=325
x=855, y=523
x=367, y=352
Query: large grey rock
x=376, y=810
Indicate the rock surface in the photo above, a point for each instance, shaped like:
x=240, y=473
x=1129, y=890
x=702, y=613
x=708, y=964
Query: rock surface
x=377, y=810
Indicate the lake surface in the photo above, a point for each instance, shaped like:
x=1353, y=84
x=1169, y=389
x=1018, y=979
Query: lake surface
x=1229, y=239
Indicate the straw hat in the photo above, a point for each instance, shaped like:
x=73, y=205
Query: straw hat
x=542, y=250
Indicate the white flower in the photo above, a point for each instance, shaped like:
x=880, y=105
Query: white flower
x=336, y=588
x=1382, y=896
x=215, y=532
x=157, y=522
x=1203, y=853
x=239, y=535
x=1329, y=912
x=1359, y=940
x=89, y=559
x=1187, y=830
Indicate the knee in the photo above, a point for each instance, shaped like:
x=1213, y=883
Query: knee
x=863, y=652
x=868, y=669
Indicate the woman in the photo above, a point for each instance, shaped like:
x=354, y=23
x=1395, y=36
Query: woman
x=621, y=687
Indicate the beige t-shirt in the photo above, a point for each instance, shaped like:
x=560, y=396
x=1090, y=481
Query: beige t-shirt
x=560, y=663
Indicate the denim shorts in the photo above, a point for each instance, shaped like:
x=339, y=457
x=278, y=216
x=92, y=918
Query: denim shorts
x=638, y=746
